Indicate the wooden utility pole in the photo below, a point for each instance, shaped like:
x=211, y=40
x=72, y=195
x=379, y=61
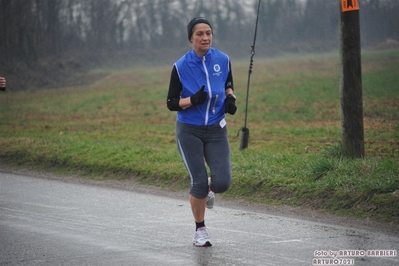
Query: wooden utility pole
x=351, y=80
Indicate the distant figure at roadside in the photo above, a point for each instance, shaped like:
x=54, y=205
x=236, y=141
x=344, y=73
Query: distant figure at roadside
x=2, y=84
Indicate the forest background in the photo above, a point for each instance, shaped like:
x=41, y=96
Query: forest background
x=50, y=44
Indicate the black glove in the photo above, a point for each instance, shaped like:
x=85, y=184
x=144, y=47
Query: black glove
x=199, y=97
x=230, y=104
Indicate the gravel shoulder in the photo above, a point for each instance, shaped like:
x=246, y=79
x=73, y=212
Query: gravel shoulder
x=277, y=210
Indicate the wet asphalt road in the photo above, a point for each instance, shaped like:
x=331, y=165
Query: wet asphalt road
x=49, y=222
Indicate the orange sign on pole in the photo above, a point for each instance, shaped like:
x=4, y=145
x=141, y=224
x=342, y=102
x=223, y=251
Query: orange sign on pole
x=350, y=5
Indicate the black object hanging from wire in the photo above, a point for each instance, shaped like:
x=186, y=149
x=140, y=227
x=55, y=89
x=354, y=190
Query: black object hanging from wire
x=244, y=131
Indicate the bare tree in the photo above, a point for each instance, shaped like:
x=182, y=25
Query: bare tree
x=35, y=29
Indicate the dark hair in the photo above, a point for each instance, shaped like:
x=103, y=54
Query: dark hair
x=194, y=22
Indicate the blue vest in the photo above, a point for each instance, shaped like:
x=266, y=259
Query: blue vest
x=210, y=70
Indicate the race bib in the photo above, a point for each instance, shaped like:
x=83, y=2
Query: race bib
x=222, y=123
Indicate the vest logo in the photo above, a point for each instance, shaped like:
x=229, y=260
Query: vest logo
x=216, y=68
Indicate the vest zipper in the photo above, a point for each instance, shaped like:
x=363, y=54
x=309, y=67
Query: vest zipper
x=209, y=91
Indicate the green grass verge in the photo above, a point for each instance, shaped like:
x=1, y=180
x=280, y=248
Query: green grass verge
x=120, y=127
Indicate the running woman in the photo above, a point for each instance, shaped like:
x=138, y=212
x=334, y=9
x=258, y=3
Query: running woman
x=201, y=91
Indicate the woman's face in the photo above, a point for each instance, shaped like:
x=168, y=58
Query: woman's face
x=201, y=38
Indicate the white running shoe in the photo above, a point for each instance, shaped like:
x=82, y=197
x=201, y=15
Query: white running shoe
x=210, y=199
x=201, y=238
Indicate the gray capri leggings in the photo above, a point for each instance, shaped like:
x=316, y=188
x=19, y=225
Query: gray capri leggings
x=200, y=144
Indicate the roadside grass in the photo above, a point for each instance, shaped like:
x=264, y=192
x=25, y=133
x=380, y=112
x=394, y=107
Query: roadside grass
x=119, y=127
